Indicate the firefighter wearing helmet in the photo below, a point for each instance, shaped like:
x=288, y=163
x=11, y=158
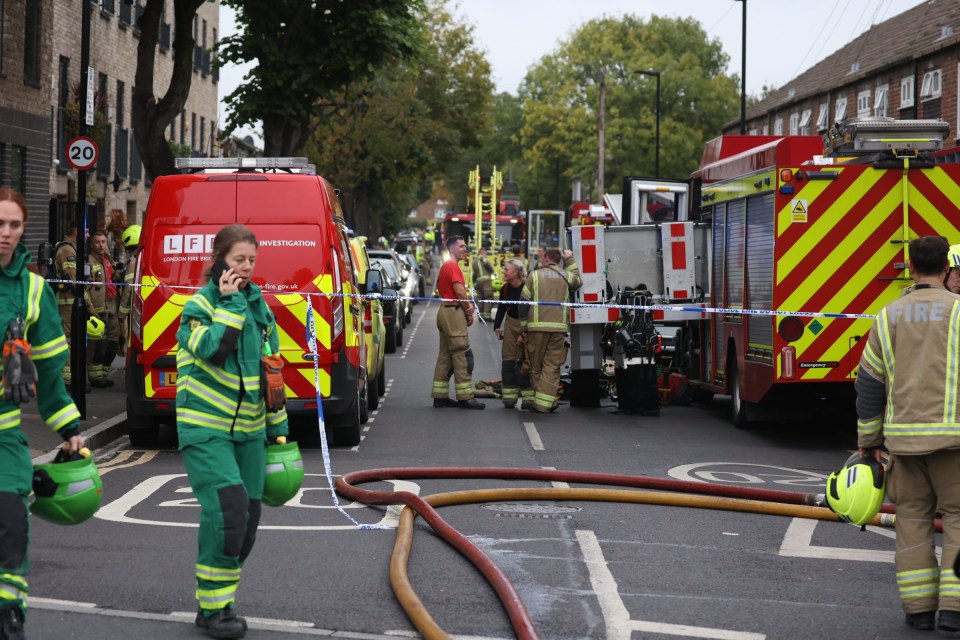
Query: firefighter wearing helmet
x=35, y=353
x=131, y=242
x=953, y=278
x=907, y=402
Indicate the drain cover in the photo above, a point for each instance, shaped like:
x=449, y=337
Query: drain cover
x=542, y=510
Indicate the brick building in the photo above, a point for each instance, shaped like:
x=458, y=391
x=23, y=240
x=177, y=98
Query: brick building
x=39, y=88
x=906, y=67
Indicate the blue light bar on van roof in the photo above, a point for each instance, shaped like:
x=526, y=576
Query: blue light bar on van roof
x=244, y=163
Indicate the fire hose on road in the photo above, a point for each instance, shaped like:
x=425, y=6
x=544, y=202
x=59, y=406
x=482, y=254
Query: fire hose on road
x=666, y=492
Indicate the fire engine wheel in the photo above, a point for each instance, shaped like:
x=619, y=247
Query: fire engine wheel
x=373, y=391
x=143, y=430
x=739, y=408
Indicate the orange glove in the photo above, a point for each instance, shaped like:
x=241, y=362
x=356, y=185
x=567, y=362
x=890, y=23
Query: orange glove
x=271, y=382
x=19, y=372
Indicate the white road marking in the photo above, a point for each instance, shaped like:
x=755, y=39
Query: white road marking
x=53, y=602
x=261, y=621
x=615, y=615
x=409, y=342
x=533, y=436
x=797, y=543
x=557, y=484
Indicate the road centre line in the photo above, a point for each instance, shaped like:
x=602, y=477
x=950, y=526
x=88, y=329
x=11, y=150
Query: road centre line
x=533, y=436
x=557, y=484
x=616, y=618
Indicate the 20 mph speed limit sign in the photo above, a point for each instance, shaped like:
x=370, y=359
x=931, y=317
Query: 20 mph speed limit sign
x=82, y=153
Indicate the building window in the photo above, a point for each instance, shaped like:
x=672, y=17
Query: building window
x=31, y=43
x=930, y=88
x=120, y=98
x=823, y=117
x=766, y=129
x=794, y=124
x=778, y=127
x=203, y=135
x=804, y=125
x=193, y=131
x=880, y=102
x=863, y=104
x=840, y=110
x=13, y=168
x=906, y=92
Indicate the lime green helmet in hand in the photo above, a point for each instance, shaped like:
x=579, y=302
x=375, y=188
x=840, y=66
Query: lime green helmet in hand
x=66, y=492
x=284, y=475
x=856, y=491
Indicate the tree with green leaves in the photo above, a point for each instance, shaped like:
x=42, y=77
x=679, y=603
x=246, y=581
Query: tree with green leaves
x=150, y=116
x=560, y=97
x=305, y=54
x=386, y=142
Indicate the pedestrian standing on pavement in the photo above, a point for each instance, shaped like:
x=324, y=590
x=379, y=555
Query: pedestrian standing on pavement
x=483, y=273
x=453, y=318
x=507, y=327
x=103, y=293
x=29, y=303
x=131, y=242
x=907, y=402
x=222, y=422
x=545, y=325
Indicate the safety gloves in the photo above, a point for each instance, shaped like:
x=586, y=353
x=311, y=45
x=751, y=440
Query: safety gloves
x=19, y=373
x=271, y=382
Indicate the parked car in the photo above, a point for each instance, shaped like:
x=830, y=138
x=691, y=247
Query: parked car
x=415, y=269
x=392, y=313
x=404, y=285
x=374, y=329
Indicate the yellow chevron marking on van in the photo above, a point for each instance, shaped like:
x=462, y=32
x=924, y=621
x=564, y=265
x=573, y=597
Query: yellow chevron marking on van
x=165, y=316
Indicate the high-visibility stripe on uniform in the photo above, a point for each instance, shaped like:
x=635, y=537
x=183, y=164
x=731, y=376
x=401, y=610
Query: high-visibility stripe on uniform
x=62, y=418
x=13, y=588
x=217, y=574
x=953, y=360
x=215, y=599
x=10, y=419
x=918, y=583
x=949, y=583
x=49, y=349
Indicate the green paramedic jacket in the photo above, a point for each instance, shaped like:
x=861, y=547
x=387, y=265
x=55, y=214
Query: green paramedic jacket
x=28, y=294
x=218, y=367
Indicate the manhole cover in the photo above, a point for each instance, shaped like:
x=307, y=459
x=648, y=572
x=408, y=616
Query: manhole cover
x=532, y=509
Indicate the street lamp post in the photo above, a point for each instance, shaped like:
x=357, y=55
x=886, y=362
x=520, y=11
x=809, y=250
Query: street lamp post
x=743, y=71
x=655, y=74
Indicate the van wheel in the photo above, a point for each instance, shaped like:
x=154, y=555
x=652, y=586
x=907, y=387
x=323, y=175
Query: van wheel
x=390, y=346
x=382, y=380
x=364, y=404
x=373, y=392
x=400, y=335
x=347, y=432
x=144, y=431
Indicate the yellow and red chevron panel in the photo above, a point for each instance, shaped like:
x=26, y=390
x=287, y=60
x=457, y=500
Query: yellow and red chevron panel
x=840, y=248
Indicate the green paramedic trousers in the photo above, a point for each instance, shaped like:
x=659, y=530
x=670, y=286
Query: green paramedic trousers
x=16, y=479
x=227, y=479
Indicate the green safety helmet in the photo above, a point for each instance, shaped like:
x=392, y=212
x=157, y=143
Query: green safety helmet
x=954, y=255
x=284, y=473
x=95, y=328
x=66, y=492
x=855, y=492
x=131, y=236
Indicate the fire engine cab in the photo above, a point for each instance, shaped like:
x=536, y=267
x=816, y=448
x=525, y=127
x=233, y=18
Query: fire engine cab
x=770, y=265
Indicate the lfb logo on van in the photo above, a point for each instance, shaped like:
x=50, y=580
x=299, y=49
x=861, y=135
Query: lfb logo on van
x=189, y=243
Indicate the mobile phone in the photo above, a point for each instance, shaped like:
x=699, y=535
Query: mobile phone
x=218, y=269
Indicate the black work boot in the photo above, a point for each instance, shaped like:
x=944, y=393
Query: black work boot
x=440, y=403
x=11, y=623
x=224, y=623
x=472, y=403
x=949, y=621
x=923, y=621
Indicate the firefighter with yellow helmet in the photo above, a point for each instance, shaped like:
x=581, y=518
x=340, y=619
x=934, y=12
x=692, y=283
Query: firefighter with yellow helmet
x=907, y=402
x=131, y=242
x=953, y=278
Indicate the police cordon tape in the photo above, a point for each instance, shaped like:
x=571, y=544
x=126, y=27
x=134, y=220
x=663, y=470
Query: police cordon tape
x=475, y=301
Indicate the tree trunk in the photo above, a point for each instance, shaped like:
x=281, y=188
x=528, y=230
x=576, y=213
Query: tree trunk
x=151, y=118
x=282, y=138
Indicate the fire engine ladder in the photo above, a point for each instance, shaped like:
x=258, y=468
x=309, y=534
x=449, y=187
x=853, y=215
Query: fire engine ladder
x=485, y=202
x=906, y=140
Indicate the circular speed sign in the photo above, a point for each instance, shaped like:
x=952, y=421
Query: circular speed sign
x=82, y=153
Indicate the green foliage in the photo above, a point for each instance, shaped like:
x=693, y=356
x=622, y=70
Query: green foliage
x=179, y=150
x=560, y=98
x=308, y=50
x=386, y=141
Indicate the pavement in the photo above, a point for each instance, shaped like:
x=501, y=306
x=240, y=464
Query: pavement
x=104, y=422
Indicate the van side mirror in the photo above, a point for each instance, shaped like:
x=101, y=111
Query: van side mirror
x=374, y=281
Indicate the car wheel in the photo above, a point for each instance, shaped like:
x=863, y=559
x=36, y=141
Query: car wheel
x=373, y=392
x=399, y=334
x=390, y=346
x=144, y=431
x=382, y=380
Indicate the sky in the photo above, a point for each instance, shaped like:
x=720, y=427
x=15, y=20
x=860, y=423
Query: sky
x=784, y=38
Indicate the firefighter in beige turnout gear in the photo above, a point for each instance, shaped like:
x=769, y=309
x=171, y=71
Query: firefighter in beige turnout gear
x=483, y=274
x=908, y=402
x=65, y=268
x=103, y=293
x=545, y=325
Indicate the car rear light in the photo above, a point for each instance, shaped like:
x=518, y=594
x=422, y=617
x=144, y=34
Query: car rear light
x=788, y=359
x=336, y=309
x=367, y=320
